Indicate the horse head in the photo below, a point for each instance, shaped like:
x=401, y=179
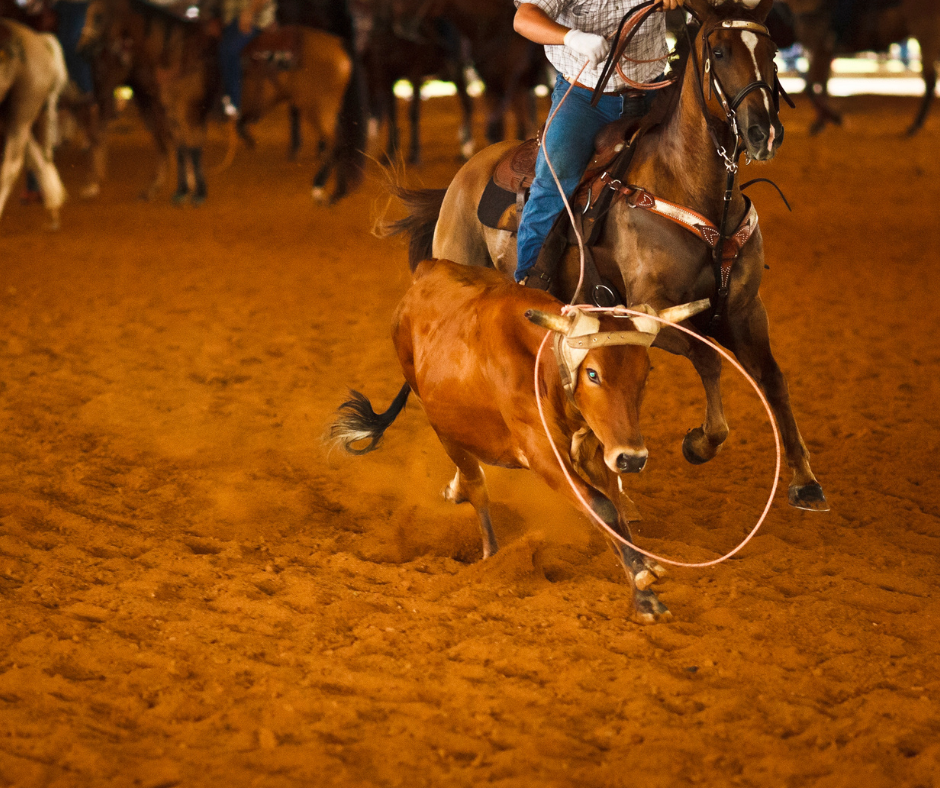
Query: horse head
x=733, y=55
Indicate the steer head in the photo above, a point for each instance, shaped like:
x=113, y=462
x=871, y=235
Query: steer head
x=603, y=362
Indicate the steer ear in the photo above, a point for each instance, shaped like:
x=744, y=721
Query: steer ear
x=547, y=320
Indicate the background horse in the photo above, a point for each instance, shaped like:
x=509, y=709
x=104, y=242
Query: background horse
x=32, y=75
x=509, y=65
x=313, y=84
x=874, y=26
x=414, y=49
x=172, y=67
x=649, y=258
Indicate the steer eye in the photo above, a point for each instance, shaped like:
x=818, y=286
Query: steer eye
x=593, y=376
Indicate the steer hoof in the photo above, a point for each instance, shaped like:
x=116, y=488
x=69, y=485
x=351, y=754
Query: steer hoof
x=452, y=492
x=808, y=496
x=696, y=448
x=649, y=609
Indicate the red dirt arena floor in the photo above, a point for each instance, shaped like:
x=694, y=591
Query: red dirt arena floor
x=195, y=593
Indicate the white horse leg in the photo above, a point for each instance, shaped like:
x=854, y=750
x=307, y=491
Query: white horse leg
x=53, y=192
x=13, y=154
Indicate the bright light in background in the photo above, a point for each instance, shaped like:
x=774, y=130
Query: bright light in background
x=867, y=74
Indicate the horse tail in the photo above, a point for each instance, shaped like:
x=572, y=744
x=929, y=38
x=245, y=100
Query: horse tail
x=357, y=421
x=424, y=209
x=352, y=128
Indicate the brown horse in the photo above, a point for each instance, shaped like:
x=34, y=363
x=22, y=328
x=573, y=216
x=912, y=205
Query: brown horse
x=414, y=49
x=652, y=258
x=173, y=69
x=313, y=85
x=32, y=75
x=509, y=65
x=877, y=25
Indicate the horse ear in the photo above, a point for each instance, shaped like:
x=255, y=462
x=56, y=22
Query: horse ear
x=762, y=9
x=698, y=8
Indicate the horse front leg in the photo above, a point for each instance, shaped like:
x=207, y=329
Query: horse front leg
x=702, y=443
x=747, y=336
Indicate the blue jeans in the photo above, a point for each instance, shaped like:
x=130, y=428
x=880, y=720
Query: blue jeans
x=570, y=144
x=71, y=22
x=230, y=60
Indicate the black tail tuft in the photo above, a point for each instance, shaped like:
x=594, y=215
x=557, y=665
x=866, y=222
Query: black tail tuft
x=356, y=421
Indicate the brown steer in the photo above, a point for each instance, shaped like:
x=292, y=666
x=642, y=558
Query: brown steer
x=469, y=353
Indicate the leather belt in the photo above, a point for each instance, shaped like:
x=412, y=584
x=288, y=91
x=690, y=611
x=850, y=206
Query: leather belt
x=626, y=92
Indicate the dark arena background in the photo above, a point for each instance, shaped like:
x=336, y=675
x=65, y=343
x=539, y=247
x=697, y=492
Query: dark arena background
x=196, y=592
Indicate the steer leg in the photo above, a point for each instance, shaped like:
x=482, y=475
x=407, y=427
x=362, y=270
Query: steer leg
x=469, y=484
x=639, y=576
x=747, y=335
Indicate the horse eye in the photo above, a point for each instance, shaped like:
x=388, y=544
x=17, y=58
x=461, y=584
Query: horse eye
x=719, y=53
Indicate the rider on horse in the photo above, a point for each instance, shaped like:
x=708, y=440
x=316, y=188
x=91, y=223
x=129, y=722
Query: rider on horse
x=574, y=31
x=243, y=21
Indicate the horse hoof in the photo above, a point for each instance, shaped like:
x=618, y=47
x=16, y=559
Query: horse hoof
x=91, y=191
x=694, y=440
x=808, y=496
x=649, y=610
x=199, y=199
x=319, y=194
x=179, y=198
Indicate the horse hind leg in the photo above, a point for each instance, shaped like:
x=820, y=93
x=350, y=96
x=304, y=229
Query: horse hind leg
x=199, y=179
x=53, y=192
x=469, y=484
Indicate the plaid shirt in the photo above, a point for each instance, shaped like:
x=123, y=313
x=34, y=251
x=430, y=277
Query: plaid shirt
x=603, y=17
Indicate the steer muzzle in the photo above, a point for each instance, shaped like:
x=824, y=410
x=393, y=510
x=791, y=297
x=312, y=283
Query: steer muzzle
x=627, y=460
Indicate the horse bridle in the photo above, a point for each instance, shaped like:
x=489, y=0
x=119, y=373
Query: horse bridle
x=713, y=82
x=709, y=76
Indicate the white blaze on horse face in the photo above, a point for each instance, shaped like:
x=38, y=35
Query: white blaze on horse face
x=750, y=40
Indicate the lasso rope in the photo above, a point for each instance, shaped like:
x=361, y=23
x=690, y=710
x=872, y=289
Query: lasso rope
x=586, y=505
x=625, y=311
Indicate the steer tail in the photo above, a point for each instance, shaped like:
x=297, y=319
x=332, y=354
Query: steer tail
x=424, y=208
x=357, y=421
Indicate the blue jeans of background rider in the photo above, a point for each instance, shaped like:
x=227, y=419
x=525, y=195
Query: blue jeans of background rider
x=570, y=144
x=230, y=60
x=71, y=17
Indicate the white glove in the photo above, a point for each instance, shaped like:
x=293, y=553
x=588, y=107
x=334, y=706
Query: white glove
x=594, y=47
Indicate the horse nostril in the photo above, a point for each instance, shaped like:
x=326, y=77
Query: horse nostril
x=756, y=134
x=630, y=463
